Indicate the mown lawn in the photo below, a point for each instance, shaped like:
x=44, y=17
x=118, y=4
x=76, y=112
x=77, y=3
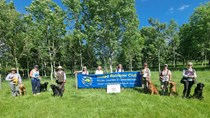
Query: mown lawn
x=96, y=103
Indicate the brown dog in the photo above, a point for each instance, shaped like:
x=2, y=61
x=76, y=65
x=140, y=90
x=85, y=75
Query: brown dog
x=152, y=88
x=173, y=90
x=22, y=89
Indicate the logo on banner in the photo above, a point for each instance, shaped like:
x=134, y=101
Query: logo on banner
x=87, y=81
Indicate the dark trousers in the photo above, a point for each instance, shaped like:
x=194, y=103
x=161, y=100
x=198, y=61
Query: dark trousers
x=145, y=84
x=35, y=85
x=187, y=88
x=61, y=86
x=164, y=88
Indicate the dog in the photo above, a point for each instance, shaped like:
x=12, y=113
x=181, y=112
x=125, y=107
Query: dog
x=56, y=90
x=22, y=89
x=152, y=88
x=173, y=90
x=198, y=93
x=43, y=87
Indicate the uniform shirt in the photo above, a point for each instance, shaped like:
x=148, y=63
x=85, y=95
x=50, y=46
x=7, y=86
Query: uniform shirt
x=10, y=77
x=35, y=73
x=165, y=74
x=99, y=72
x=64, y=76
x=189, y=72
x=146, y=72
x=120, y=70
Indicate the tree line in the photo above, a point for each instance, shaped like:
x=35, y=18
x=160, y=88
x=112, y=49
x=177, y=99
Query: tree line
x=97, y=32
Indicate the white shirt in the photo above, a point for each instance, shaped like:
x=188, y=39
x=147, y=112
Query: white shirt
x=99, y=72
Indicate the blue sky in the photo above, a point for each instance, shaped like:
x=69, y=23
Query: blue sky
x=163, y=10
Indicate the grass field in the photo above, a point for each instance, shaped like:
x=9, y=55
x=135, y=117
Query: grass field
x=96, y=103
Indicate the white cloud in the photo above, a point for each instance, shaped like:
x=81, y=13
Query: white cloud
x=171, y=9
x=183, y=7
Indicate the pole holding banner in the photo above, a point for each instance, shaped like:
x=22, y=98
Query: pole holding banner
x=76, y=82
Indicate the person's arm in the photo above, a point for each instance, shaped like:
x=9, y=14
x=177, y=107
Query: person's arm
x=64, y=77
x=149, y=73
x=170, y=75
x=31, y=74
x=87, y=73
x=195, y=75
x=184, y=74
x=9, y=78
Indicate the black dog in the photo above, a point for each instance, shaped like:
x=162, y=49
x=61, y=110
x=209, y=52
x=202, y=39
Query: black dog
x=56, y=90
x=43, y=87
x=198, y=93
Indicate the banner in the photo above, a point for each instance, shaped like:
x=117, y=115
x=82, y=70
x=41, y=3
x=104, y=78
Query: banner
x=125, y=79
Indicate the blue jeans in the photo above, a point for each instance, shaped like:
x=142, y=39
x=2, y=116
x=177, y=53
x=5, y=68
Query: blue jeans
x=35, y=85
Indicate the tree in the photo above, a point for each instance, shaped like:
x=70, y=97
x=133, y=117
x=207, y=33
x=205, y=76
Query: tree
x=48, y=20
x=13, y=35
x=172, y=40
x=200, y=24
x=155, y=42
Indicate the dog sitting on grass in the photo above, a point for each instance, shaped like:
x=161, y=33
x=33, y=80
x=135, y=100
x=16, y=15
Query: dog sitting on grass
x=43, y=87
x=152, y=88
x=56, y=90
x=198, y=93
x=22, y=89
x=173, y=90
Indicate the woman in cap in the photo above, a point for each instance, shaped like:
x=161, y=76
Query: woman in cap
x=146, y=74
x=165, y=77
x=14, y=80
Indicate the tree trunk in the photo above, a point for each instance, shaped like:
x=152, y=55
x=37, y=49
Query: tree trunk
x=110, y=64
x=159, y=60
x=16, y=64
x=131, y=64
x=51, y=72
x=174, y=58
x=45, y=67
x=81, y=64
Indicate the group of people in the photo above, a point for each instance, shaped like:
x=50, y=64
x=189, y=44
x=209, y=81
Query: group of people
x=189, y=76
x=15, y=80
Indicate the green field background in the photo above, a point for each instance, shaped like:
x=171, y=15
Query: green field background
x=96, y=103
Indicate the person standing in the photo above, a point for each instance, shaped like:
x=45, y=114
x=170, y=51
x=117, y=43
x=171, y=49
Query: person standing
x=84, y=71
x=146, y=74
x=165, y=77
x=99, y=71
x=60, y=78
x=120, y=68
x=14, y=80
x=189, y=76
x=35, y=80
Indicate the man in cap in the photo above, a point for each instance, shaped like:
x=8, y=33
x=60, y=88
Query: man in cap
x=60, y=78
x=14, y=80
x=165, y=77
x=35, y=80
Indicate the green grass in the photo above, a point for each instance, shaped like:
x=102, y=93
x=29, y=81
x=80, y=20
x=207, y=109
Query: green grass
x=96, y=103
